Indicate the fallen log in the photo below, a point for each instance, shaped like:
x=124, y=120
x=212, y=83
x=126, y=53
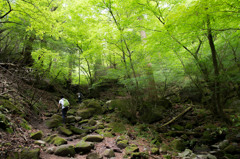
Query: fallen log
x=175, y=118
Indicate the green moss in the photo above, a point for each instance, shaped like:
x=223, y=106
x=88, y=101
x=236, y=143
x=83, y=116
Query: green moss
x=77, y=130
x=154, y=151
x=118, y=127
x=132, y=148
x=178, y=127
x=122, y=144
x=178, y=144
x=86, y=113
x=25, y=124
x=83, y=121
x=11, y=107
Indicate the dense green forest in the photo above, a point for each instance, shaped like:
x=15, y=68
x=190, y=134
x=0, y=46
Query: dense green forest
x=148, y=62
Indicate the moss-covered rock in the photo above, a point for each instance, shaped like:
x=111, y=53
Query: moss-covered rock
x=178, y=127
x=90, y=108
x=92, y=122
x=142, y=155
x=54, y=122
x=48, y=139
x=93, y=138
x=36, y=135
x=83, y=147
x=3, y=121
x=59, y=141
x=51, y=150
x=201, y=148
x=88, y=128
x=223, y=144
x=232, y=149
x=7, y=104
x=109, y=153
x=71, y=112
x=107, y=134
x=93, y=155
x=178, y=144
x=131, y=148
x=86, y=113
x=164, y=148
x=117, y=127
x=154, y=151
x=27, y=154
x=122, y=144
x=70, y=119
x=65, y=150
x=77, y=130
x=65, y=131
x=83, y=121
x=56, y=140
x=78, y=118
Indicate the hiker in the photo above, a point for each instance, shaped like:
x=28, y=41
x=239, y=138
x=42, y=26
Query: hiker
x=65, y=105
x=79, y=95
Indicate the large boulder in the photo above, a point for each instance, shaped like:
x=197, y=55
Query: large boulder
x=65, y=150
x=54, y=122
x=83, y=147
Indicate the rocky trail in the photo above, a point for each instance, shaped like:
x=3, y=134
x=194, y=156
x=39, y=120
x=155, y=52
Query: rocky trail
x=85, y=138
x=93, y=133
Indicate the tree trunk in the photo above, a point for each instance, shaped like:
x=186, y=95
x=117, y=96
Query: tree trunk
x=217, y=107
x=27, y=52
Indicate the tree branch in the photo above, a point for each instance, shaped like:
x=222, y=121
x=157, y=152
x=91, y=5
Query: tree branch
x=10, y=9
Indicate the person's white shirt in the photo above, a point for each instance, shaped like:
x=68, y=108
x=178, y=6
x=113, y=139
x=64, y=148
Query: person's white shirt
x=61, y=101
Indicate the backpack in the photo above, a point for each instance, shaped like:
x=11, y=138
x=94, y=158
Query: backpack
x=66, y=103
